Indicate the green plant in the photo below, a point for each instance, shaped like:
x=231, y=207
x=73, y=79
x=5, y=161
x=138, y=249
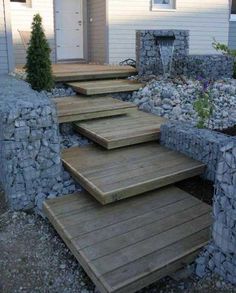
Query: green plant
x=38, y=65
x=224, y=49
x=203, y=105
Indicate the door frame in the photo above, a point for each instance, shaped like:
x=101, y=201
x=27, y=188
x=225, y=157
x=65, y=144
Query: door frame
x=85, y=33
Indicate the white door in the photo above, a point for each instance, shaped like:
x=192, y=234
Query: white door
x=69, y=29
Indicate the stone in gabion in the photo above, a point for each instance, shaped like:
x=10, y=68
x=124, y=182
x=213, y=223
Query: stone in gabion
x=30, y=163
x=218, y=152
x=200, y=144
x=175, y=98
x=148, y=52
x=149, y=61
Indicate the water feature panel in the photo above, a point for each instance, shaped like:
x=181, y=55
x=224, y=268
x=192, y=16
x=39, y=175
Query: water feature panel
x=166, y=45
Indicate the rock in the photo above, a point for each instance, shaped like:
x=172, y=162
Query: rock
x=177, y=111
x=167, y=93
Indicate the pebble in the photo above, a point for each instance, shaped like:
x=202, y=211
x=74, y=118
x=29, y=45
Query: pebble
x=174, y=99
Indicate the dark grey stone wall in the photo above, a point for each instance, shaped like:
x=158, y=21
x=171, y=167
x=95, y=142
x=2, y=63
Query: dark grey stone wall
x=30, y=165
x=200, y=144
x=218, y=152
x=208, y=66
x=148, y=52
x=149, y=59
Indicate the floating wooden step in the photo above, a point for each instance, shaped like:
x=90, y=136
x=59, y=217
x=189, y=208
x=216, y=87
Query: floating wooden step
x=75, y=76
x=121, y=173
x=127, y=246
x=80, y=108
x=105, y=86
x=136, y=127
x=82, y=72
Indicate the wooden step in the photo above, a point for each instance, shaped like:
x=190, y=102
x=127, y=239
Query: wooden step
x=75, y=76
x=120, y=173
x=105, y=86
x=82, y=72
x=114, y=132
x=78, y=108
x=126, y=246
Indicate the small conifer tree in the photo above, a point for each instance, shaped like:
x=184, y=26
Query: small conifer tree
x=38, y=65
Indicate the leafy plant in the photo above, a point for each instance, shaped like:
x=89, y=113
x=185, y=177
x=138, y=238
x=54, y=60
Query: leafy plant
x=38, y=65
x=224, y=49
x=203, y=105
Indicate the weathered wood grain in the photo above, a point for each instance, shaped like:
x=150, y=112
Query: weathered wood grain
x=105, y=86
x=126, y=246
x=125, y=172
x=114, y=132
x=79, y=108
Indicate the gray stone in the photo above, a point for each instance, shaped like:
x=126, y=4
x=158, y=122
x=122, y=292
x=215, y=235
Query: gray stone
x=149, y=61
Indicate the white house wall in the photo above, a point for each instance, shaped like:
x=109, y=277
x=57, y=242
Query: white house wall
x=205, y=19
x=22, y=17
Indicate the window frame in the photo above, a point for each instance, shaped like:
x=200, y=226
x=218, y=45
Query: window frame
x=232, y=15
x=163, y=7
x=18, y=5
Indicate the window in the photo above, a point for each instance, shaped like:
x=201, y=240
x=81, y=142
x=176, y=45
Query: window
x=233, y=7
x=163, y=4
x=20, y=3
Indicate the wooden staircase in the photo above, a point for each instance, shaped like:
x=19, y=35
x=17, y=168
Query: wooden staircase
x=131, y=226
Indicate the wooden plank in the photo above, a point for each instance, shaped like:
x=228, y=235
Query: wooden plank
x=79, y=108
x=105, y=86
x=157, y=265
x=80, y=224
x=136, y=127
x=137, y=254
x=82, y=76
x=107, y=232
x=160, y=225
x=60, y=68
x=124, y=256
x=122, y=173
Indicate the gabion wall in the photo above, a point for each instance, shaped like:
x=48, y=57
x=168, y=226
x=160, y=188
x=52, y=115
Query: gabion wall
x=208, y=66
x=148, y=53
x=30, y=165
x=218, y=152
x=200, y=144
x=149, y=59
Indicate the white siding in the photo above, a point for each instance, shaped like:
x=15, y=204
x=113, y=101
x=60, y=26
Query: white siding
x=22, y=17
x=4, y=66
x=232, y=34
x=97, y=41
x=205, y=19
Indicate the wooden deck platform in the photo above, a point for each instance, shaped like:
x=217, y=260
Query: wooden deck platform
x=127, y=246
x=105, y=86
x=136, y=127
x=80, y=108
x=120, y=173
x=80, y=72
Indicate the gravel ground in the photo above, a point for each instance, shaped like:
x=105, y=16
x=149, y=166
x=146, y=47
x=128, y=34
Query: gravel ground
x=34, y=259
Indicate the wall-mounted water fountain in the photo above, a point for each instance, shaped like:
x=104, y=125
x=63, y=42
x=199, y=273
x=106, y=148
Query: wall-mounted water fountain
x=166, y=46
x=166, y=52
x=158, y=51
